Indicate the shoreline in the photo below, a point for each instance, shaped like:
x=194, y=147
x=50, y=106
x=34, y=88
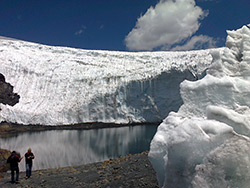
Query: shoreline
x=12, y=129
x=126, y=171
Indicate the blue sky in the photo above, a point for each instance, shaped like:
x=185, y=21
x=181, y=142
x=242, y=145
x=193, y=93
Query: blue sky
x=126, y=25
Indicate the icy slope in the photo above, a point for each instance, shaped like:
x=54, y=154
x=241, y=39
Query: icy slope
x=206, y=143
x=60, y=85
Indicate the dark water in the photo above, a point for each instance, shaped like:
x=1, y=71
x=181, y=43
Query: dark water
x=59, y=148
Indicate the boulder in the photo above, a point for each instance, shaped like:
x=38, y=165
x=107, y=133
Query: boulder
x=4, y=154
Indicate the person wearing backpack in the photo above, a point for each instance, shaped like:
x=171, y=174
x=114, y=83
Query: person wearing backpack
x=14, y=159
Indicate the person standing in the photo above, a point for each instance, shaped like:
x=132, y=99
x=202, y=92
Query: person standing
x=29, y=156
x=14, y=159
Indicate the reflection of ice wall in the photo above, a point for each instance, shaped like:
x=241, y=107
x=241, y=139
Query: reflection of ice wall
x=206, y=143
x=61, y=85
x=68, y=148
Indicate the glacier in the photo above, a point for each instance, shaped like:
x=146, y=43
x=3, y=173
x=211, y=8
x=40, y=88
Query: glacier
x=206, y=142
x=62, y=85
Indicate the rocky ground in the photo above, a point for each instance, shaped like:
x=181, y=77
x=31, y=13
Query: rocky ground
x=131, y=171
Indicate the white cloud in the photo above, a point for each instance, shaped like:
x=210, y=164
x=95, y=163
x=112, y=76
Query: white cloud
x=80, y=31
x=196, y=42
x=168, y=23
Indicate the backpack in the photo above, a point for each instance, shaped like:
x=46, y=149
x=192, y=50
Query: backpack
x=11, y=158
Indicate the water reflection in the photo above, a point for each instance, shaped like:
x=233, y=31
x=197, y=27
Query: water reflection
x=54, y=149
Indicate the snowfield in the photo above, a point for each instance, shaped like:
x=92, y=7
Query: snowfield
x=206, y=143
x=60, y=85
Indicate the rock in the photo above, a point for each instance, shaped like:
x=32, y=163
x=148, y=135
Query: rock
x=6, y=93
x=4, y=154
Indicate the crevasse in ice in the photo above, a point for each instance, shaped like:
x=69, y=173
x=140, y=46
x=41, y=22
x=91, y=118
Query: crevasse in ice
x=60, y=85
x=206, y=143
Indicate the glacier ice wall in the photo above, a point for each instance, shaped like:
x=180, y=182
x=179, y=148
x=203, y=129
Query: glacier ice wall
x=206, y=143
x=60, y=85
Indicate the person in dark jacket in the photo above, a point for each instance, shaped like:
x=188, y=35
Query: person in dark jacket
x=14, y=159
x=29, y=156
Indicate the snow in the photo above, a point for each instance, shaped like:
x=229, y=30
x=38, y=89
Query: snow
x=206, y=142
x=228, y=162
x=60, y=85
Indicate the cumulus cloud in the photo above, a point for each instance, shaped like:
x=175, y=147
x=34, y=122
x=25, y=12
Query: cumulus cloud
x=168, y=23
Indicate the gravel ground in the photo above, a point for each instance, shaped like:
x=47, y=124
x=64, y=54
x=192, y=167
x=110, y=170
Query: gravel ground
x=131, y=171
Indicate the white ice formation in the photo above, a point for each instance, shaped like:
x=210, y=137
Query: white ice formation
x=206, y=143
x=60, y=85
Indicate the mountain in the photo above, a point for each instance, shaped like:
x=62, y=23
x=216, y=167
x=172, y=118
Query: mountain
x=61, y=85
x=206, y=143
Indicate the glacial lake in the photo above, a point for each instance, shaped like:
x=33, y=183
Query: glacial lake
x=60, y=148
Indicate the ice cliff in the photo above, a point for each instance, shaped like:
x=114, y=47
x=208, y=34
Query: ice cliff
x=60, y=85
x=206, y=143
